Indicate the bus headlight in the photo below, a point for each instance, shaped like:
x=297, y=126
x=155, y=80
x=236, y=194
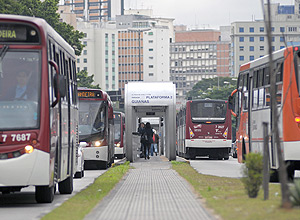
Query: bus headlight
x=118, y=144
x=28, y=149
x=98, y=143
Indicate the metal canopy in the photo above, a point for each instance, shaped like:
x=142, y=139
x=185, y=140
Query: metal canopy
x=151, y=99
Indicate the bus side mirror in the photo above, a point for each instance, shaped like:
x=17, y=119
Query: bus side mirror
x=55, y=82
x=231, y=103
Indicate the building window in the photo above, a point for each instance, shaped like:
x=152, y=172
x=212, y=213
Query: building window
x=106, y=77
x=261, y=48
x=292, y=29
x=241, y=30
x=241, y=48
x=85, y=35
x=241, y=39
x=241, y=58
x=281, y=47
x=151, y=74
x=272, y=29
x=84, y=43
x=150, y=33
x=150, y=66
x=150, y=58
x=273, y=48
x=273, y=39
x=282, y=29
x=85, y=68
x=150, y=49
x=85, y=60
x=251, y=58
x=251, y=48
x=261, y=38
x=150, y=41
x=251, y=29
x=85, y=52
x=251, y=39
x=78, y=69
x=78, y=60
x=261, y=29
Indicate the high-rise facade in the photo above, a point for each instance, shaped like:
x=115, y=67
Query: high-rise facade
x=100, y=54
x=196, y=55
x=96, y=10
x=143, y=49
x=249, y=38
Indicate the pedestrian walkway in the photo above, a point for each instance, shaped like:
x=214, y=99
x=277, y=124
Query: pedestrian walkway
x=151, y=191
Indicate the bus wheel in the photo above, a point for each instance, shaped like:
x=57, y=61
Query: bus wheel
x=66, y=186
x=44, y=194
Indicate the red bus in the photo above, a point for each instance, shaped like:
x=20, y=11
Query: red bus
x=38, y=108
x=120, y=146
x=204, y=129
x=96, y=128
x=252, y=107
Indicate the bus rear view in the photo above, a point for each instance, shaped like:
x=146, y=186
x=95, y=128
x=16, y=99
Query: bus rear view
x=205, y=127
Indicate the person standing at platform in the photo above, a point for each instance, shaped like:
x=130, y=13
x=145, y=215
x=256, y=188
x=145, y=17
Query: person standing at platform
x=148, y=140
x=141, y=131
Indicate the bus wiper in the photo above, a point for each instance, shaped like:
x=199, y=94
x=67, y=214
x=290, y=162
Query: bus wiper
x=2, y=54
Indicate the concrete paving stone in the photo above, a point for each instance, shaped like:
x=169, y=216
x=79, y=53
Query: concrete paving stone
x=151, y=191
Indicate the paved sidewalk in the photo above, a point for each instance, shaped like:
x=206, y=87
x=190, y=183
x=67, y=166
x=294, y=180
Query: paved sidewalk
x=150, y=191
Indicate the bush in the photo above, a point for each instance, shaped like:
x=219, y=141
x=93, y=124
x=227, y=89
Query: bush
x=253, y=174
x=295, y=193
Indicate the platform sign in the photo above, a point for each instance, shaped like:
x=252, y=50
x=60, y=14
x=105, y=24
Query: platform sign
x=150, y=94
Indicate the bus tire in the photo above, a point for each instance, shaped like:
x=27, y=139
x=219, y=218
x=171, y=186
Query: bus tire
x=44, y=194
x=66, y=186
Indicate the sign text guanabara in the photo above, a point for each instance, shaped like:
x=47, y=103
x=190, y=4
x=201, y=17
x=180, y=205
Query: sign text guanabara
x=8, y=34
x=151, y=97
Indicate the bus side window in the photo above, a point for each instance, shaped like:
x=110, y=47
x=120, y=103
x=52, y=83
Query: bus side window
x=245, y=92
x=266, y=76
x=255, y=90
x=279, y=68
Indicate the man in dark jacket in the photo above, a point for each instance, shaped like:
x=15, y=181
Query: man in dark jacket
x=148, y=140
x=141, y=131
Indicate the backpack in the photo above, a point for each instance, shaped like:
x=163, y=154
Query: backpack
x=144, y=137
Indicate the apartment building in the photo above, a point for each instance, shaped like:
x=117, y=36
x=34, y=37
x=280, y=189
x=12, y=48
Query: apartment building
x=249, y=38
x=100, y=54
x=196, y=55
x=143, y=49
x=96, y=10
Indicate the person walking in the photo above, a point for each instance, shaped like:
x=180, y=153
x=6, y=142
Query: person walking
x=141, y=131
x=155, y=142
x=148, y=134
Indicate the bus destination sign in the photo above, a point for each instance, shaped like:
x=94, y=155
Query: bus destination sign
x=12, y=33
x=89, y=94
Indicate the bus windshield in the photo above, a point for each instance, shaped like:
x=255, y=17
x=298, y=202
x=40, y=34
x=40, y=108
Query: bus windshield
x=91, y=118
x=208, y=111
x=117, y=121
x=19, y=89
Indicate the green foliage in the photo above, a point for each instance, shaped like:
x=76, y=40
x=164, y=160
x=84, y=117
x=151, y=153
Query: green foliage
x=84, y=80
x=47, y=10
x=295, y=193
x=215, y=88
x=253, y=175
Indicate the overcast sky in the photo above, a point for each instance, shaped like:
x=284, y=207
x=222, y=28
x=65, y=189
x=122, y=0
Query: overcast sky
x=204, y=13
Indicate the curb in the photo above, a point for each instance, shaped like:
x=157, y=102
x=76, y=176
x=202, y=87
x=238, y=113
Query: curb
x=181, y=159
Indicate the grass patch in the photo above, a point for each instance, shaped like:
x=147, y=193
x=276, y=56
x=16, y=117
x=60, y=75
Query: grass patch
x=227, y=196
x=83, y=202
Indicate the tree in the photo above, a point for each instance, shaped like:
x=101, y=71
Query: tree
x=86, y=81
x=215, y=88
x=48, y=11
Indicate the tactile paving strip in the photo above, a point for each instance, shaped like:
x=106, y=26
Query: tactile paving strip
x=151, y=191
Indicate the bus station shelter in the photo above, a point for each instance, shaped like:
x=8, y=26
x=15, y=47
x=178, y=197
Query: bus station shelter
x=151, y=99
